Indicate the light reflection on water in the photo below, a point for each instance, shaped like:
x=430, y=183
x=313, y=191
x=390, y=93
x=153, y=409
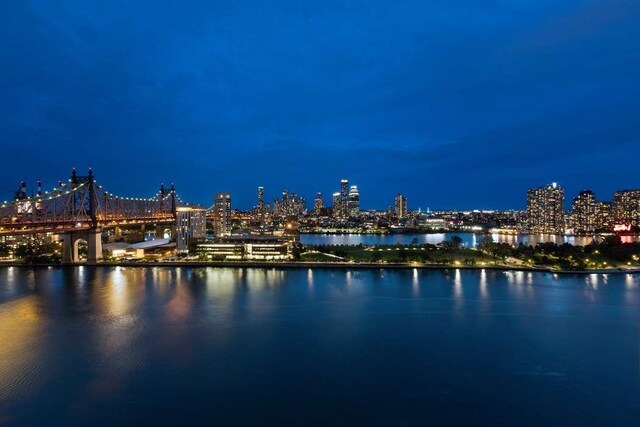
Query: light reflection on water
x=468, y=239
x=100, y=338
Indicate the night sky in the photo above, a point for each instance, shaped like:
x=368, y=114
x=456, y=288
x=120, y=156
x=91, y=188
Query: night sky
x=457, y=104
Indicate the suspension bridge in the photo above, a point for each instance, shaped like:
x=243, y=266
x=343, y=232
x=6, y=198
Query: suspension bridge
x=80, y=209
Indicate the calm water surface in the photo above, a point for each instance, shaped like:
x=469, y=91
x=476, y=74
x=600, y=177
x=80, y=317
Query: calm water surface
x=468, y=239
x=163, y=346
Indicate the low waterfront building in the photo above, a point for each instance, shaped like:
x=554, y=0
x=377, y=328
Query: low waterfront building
x=434, y=223
x=250, y=248
x=147, y=249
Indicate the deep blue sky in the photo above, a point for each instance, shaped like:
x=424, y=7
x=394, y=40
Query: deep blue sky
x=458, y=104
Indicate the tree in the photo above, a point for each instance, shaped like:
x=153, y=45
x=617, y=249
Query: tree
x=614, y=240
x=456, y=242
x=485, y=244
x=296, y=251
x=377, y=256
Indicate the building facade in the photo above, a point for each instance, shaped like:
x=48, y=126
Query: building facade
x=400, y=206
x=191, y=223
x=603, y=215
x=251, y=248
x=222, y=214
x=583, y=213
x=318, y=204
x=260, y=206
x=290, y=206
x=626, y=207
x=353, y=202
x=337, y=205
x=545, y=209
x=344, y=198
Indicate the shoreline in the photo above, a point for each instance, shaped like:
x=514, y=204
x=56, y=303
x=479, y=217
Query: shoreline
x=326, y=265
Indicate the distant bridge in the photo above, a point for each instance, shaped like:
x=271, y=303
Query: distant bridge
x=79, y=209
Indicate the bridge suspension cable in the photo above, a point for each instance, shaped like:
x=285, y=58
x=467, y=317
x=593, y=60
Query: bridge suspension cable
x=81, y=203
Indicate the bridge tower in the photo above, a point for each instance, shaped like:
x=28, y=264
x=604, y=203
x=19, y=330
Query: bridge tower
x=93, y=236
x=162, y=231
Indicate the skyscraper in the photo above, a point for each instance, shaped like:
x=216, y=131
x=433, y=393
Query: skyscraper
x=353, y=202
x=222, y=214
x=344, y=198
x=401, y=206
x=337, y=203
x=261, y=210
x=290, y=206
x=545, y=209
x=318, y=203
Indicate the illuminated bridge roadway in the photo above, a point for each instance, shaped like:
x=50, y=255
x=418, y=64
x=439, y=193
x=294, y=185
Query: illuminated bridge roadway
x=80, y=209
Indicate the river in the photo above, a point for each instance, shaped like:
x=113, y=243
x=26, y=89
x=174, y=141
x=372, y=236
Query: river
x=226, y=346
x=468, y=239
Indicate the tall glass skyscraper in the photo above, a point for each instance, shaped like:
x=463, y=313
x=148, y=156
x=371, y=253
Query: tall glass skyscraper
x=353, y=202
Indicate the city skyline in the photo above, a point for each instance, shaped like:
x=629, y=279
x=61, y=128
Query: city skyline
x=352, y=212
x=29, y=189
x=454, y=116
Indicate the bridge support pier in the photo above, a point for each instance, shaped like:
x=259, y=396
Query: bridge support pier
x=165, y=230
x=71, y=241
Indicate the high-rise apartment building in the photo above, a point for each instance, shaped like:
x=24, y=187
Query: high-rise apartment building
x=588, y=215
x=222, y=214
x=545, y=209
x=353, y=201
x=583, y=212
x=626, y=207
x=401, y=206
x=191, y=224
x=603, y=215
